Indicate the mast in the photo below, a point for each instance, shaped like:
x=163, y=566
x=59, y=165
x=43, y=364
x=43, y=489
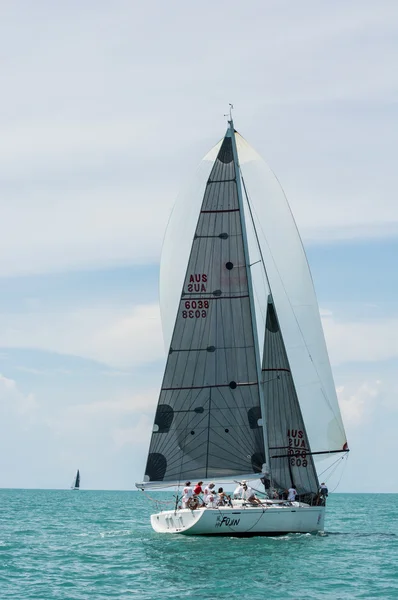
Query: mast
x=250, y=288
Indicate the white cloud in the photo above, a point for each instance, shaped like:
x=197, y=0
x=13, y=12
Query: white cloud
x=138, y=435
x=44, y=436
x=81, y=187
x=139, y=402
x=120, y=337
x=364, y=340
x=358, y=403
x=15, y=402
x=126, y=336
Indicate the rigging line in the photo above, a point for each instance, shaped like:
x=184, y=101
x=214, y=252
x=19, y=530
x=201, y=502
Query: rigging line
x=333, y=471
x=341, y=475
x=156, y=500
x=332, y=465
x=283, y=285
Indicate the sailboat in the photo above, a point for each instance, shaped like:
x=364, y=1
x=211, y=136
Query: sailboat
x=227, y=411
x=76, y=482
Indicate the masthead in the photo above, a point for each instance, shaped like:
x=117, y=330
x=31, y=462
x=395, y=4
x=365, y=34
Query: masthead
x=230, y=121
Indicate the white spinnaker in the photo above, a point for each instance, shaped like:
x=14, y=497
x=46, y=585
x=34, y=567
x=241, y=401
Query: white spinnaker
x=295, y=301
x=291, y=285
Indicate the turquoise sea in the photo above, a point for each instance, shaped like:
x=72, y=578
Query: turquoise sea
x=97, y=545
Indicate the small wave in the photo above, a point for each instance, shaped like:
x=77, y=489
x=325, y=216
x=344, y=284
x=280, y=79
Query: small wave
x=116, y=533
x=360, y=534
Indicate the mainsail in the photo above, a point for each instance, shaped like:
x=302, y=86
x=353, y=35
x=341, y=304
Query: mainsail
x=76, y=484
x=208, y=420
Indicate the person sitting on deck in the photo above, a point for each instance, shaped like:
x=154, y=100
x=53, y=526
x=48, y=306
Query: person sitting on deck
x=208, y=491
x=222, y=498
x=249, y=495
x=198, y=489
x=187, y=494
x=210, y=501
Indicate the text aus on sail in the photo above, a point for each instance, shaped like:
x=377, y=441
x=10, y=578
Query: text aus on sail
x=196, y=309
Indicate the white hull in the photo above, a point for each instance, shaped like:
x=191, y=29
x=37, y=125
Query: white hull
x=241, y=521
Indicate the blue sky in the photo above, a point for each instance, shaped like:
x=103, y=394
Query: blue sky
x=106, y=113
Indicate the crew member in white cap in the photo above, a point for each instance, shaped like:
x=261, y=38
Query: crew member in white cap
x=238, y=492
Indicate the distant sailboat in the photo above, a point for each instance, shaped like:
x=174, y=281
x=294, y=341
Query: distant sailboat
x=76, y=482
x=226, y=412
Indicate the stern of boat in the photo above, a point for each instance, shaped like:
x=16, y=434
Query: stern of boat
x=179, y=521
x=268, y=520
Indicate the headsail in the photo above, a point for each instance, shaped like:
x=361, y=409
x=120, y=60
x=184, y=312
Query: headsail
x=291, y=462
x=208, y=420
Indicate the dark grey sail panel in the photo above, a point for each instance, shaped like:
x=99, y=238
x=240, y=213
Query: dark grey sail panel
x=204, y=425
x=290, y=460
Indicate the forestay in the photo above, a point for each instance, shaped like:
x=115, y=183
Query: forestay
x=207, y=423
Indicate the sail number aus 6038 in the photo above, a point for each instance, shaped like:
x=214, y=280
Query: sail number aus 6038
x=195, y=309
x=298, y=459
x=297, y=448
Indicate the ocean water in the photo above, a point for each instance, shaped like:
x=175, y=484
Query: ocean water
x=97, y=545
